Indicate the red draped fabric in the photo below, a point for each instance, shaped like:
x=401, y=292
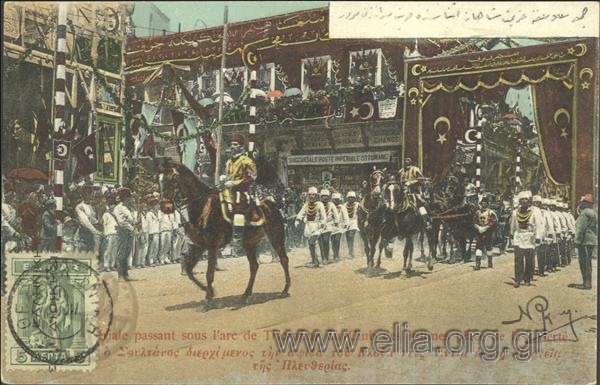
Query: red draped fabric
x=553, y=102
x=444, y=122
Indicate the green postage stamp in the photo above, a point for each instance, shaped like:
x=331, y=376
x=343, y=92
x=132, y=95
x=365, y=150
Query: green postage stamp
x=58, y=309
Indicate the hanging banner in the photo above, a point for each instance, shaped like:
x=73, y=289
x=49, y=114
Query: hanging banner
x=351, y=158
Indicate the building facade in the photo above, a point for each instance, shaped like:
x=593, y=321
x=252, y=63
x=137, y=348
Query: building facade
x=328, y=110
x=93, y=84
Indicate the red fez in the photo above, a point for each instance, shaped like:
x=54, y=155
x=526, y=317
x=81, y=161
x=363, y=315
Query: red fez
x=87, y=189
x=587, y=198
x=237, y=137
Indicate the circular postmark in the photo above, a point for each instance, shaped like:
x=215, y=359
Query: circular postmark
x=53, y=310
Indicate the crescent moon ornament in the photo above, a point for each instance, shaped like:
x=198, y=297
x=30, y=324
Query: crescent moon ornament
x=371, y=111
x=469, y=137
x=442, y=138
x=89, y=151
x=412, y=90
x=582, y=51
x=562, y=111
x=584, y=71
x=61, y=150
x=563, y=130
x=418, y=69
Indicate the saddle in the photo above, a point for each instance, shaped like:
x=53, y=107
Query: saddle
x=244, y=205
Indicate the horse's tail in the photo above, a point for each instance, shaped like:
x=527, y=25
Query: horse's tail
x=274, y=222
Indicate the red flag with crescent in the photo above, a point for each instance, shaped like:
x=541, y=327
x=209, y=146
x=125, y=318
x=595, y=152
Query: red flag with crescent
x=85, y=153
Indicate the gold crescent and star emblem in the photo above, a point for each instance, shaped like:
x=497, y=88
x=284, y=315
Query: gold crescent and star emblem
x=89, y=151
x=413, y=99
x=418, y=69
x=442, y=138
x=582, y=50
x=563, y=130
x=585, y=84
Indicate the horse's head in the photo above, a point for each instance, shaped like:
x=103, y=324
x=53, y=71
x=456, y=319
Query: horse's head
x=376, y=181
x=168, y=178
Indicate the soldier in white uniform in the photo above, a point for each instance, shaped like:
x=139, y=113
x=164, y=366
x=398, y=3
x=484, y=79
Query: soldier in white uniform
x=313, y=215
x=153, y=231
x=541, y=249
x=568, y=231
x=331, y=222
x=352, y=223
x=526, y=229
x=125, y=230
x=142, y=249
x=571, y=223
x=166, y=232
x=87, y=235
x=178, y=235
x=109, y=232
x=336, y=234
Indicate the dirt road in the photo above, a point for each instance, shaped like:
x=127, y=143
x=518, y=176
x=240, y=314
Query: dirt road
x=163, y=332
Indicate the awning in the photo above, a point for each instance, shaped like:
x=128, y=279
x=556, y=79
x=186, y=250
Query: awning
x=348, y=158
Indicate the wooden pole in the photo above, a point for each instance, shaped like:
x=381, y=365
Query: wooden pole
x=219, y=130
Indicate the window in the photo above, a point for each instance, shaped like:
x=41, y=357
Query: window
x=235, y=81
x=108, y=139
x=107, y=96
x=315, y=74
x=366, y=66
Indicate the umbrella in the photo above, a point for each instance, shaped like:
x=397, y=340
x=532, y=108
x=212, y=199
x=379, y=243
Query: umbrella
x=292, y=92
x=226, y=98
x=260, y=93
x=205, y=102
x=276, y=94
x=29, y=175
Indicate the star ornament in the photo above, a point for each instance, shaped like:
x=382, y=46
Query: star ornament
x=563, y=132
x=571, y=51
x=413, y=101
x=441, y=138
x=354, y=112
x=585, y=85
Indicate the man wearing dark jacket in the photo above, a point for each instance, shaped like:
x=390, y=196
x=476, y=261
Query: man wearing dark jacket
x=585, y=239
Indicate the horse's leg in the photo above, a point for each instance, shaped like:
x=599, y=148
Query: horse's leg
x=190, y=263
x=405, y=252
x=422, y=243
x=365, y=240
x=251, y=253
x=372, y=248
x=213, y=253
x=275, y=237
x=409, y=244
x=382, y=244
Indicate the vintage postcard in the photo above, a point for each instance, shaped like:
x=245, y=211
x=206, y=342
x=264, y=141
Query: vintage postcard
x=299, y=192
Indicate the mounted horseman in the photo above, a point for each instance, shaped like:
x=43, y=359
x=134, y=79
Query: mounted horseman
x=241, y=174
x=410, y=178
x=209, y=223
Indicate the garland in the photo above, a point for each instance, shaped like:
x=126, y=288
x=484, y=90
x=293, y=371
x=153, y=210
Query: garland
x=523, y=217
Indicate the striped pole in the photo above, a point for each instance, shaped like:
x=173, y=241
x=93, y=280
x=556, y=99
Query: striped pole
x=59, y=116
x=478, y=151
x=252, y=120
x=518, y=182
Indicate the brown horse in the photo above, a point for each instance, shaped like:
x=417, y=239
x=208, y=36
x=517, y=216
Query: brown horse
x=370, y=214
x=209, y=230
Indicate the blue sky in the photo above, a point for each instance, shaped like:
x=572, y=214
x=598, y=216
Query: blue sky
x=199, y=14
